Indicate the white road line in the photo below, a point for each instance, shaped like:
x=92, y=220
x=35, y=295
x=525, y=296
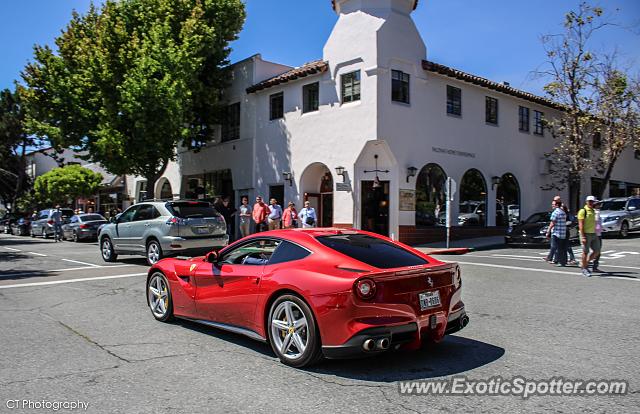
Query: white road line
x=59, y=282
x=12, y=249
x=82, y=263
x=538, y=260
x=67, y=269
x=575, y=273
x=38, y=254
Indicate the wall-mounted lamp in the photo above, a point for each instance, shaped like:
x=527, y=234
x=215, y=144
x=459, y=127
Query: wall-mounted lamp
x=495, y=181
x=341, y=172
x=288, y=177
x=411, y=172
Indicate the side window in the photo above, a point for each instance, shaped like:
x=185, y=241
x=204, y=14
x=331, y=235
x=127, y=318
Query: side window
x=74, y=219
x=44, y=214
x=256, y=253
x=127, y=216
x=288, y=252
x=146, y=212
x=635, y=203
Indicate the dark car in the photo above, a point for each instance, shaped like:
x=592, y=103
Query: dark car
x=534, y=230
x=83, y=227
x=21, y=227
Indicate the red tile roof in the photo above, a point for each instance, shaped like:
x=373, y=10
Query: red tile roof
x=477, y=80
x=311, y=68
x=333, y=4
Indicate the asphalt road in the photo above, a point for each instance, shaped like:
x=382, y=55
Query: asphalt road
x=74, y=329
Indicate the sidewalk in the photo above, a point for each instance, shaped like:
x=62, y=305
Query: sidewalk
x=462, y=246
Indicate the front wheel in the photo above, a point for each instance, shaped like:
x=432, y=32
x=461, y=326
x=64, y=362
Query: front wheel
x=154, y=252
x=107, y=251
x=159, y=297
x=624, y=229
x=293, y=333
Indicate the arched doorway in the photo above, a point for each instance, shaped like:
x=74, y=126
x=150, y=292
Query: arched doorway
x=166, y=192
x=430, y=196
x=473, y=199
x=507, y=200
x=316, y=185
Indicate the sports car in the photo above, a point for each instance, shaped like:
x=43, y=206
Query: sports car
x=314, y=293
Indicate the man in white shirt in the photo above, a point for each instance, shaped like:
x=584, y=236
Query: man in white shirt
x=275, y=215
x=308, y=216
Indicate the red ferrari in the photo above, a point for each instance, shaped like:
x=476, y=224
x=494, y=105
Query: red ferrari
x=313, y=293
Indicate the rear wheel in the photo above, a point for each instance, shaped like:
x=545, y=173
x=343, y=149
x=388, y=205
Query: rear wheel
x=293, y=333
x=107, y=251
x=624, y=229
x=159, y=297
x=75, y=237
x=154, y=252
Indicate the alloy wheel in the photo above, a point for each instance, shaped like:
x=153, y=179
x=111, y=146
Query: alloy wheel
x=106, y=249
x=289, y=330
x=624, y=229
x=153, y=252
x=158, y=294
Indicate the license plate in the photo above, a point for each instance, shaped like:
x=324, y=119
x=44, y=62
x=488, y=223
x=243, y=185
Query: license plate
x=429, y=299
x=202, y=230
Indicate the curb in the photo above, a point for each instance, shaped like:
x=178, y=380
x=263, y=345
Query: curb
x=465, y=250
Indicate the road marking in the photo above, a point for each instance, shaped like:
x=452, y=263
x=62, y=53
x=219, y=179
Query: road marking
x=576, y=273
x=38, y=254
x=67, y=269
x=82, y=263
x=59, y=282
x=12, y=249
x=537, y=260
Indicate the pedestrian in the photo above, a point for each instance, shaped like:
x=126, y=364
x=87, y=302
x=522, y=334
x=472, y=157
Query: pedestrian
x=588, y=237
x=245, y=217
x=558, y=231
x=571, y=255
x=57, y=223
x=275, y=214
x=596, y=261
x=290, y=216
x=224, y=207
x=260, y=213
x=308, y=215
x=551, y=256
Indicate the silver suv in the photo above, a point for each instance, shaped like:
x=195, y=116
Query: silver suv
x=620, y=215
x=158, y=229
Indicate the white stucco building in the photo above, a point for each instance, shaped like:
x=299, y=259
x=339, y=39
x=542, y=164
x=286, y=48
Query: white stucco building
x=375, y=102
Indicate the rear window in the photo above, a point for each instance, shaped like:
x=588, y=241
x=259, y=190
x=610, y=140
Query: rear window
x=191, y=209
x=66, y=212
x=371, y=250
x=92, y=217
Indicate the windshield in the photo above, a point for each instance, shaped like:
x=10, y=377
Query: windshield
x=371, y=250
x=92, y=217
x=613, y=205
x=538, y=218
x=192, y=209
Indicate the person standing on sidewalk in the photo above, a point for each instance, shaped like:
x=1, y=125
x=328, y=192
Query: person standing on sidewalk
x=308, y=215
x=558, y=232
x=275, y=214
x=596, y=261
x=245, y=217
x=588, y=237
x=290, y=216
x=260, y=214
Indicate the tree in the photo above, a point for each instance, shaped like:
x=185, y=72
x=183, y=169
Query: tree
x=572, y=70
x=64, y=184
x=617, y=109
x=14, y=143
x=133, y=79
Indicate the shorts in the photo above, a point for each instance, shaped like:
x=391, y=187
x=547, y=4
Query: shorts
x=593, y=243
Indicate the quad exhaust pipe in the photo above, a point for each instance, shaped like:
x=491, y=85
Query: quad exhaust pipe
x=368, y=345
x=464, y=321
x=381, y=344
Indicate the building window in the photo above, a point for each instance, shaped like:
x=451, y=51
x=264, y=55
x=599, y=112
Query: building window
x=454, y=100
x=597, y=140
x=310, y=97
x=523, y=119
x=276, y=106
x=538, y=127
x=491, y=110
x=351, y=86
x=231, y=123
x=399, y=86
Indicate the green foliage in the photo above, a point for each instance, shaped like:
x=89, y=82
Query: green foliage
x=132, y=79
x=64, y=184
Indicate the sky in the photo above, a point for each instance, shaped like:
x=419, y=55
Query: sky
x=495, y=39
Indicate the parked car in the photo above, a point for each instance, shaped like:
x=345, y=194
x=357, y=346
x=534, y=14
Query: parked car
x=513, y=211
x=22, y=226
x=82, y=227
x=471, y=213
x=533, y=231
x=314, y=293
x=43, y=224
x=7, y=220
x=620, y=215
x=158, y=229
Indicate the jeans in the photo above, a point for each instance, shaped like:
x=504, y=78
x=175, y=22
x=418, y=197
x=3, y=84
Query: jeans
x=561, y=250
x=552, y=250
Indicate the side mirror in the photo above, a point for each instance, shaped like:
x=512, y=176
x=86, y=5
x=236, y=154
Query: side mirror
x=631, y=208
x=211, y=257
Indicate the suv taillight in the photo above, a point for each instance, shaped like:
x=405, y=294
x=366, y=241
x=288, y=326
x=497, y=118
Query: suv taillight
x=50, y=222
x=175, y=221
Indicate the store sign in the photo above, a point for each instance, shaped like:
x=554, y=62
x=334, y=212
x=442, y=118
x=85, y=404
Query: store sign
x=407, y=200
x=453, y=152
x=343, y=187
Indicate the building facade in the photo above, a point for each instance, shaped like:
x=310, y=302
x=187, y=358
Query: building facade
x=369, y=133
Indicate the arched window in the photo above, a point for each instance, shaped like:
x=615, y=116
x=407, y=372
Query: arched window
x=473, y=199
x=165, y=192
x=430, y=196
x=508, y=200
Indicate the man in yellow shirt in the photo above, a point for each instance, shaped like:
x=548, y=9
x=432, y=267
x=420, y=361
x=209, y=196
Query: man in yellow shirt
x=588, y=237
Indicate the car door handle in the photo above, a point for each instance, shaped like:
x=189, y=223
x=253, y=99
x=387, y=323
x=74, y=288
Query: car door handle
x=146, y=224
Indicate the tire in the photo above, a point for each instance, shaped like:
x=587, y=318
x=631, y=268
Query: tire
x=154, y=252
x=159, y=297
x=31, y=233
x=284, y=336
x=624, y=229
x=44, y=234
x=75, y=238
x=107, y=251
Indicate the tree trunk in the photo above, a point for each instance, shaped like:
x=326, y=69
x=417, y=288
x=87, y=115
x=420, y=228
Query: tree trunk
x=152, y=177
x=606, y=178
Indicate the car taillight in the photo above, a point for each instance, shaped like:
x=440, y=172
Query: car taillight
x=50, y=222
x=365, y=288
x=84, y=226
x=457, y=277
x=174, y=221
